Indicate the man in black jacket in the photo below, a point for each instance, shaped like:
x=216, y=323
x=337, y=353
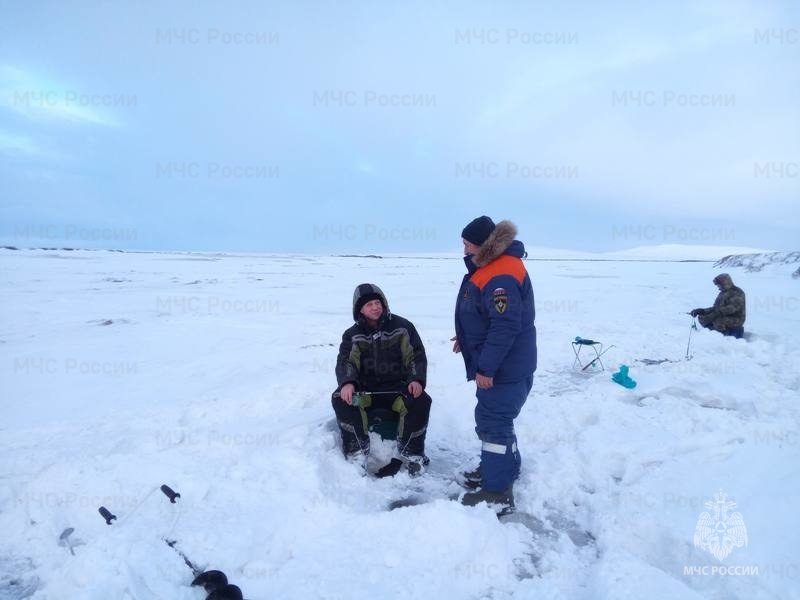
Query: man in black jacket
x=381, y=352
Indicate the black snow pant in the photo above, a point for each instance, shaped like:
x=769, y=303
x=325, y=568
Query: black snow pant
x=413, y=414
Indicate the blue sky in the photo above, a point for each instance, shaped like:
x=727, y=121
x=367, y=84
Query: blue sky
x=384, y=127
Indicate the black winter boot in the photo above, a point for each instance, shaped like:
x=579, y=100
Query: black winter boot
x=470, y=479
x=502, y=501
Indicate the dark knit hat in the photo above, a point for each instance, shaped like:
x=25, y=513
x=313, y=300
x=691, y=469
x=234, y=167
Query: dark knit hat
x=364, y=299
x=364, y=293
x=478, y=230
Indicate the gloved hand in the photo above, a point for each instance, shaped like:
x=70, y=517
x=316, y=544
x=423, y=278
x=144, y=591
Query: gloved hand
x=697, y=311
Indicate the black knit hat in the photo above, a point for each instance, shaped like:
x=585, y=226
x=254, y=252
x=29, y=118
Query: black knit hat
x=364, y=299
x=478, y=230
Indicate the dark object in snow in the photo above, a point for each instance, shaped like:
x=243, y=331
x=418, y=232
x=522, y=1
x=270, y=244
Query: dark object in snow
x=211, y=580
x=189, y=563
x=106, y=514
x=63, y=540
x=217, y=586
x=415, y=466
x=653, y=361
x=170, y=493
x=226, y=592
x=391, y=469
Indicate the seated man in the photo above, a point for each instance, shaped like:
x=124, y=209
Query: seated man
x=383, y=354
x=728, y=313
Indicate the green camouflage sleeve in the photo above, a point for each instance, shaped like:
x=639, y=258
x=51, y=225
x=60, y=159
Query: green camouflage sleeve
x=733, y=303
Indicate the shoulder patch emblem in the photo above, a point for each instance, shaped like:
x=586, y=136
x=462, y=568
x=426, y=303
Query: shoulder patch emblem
x=500, y=300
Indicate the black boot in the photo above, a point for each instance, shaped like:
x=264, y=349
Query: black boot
x=502, y=501
x=414, y=464
x=470, y=479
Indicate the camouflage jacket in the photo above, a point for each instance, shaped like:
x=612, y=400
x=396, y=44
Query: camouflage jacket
x=729, y=310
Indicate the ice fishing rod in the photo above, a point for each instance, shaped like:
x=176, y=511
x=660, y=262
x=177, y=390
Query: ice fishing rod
x=691, y=329
x=597, y=357
x=394, y=393
x=358, y=395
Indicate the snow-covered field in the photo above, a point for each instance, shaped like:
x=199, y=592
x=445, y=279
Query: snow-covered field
x=211, y=373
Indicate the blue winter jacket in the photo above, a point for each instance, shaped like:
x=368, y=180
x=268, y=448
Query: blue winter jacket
x=495, y=313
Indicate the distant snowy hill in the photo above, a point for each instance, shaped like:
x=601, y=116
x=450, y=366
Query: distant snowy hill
x=756, y=262
x=663, y=252
x=679, y=252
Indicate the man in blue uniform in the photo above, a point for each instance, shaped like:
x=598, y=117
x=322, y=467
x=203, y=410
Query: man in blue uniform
x=496, y=337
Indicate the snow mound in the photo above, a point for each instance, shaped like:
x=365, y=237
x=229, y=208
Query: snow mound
x=754, y=263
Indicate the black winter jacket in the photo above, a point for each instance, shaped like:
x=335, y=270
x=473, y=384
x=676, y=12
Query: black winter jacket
x=387, y=358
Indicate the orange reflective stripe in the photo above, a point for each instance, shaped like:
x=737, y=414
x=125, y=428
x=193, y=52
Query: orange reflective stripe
x=505, y=265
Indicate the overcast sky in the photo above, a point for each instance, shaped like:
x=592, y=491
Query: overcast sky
x=386, y=126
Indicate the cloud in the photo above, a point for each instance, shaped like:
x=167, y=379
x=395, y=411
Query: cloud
x=18, y=145
x=38, y=99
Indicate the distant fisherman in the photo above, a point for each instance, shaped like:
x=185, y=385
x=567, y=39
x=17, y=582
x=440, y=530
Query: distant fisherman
x=728, y=313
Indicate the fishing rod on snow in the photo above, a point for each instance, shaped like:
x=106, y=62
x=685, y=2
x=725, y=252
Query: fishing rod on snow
x=596, y=358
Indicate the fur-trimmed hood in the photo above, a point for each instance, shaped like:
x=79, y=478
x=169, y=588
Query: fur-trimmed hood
x=496, y=244
x=724, y=280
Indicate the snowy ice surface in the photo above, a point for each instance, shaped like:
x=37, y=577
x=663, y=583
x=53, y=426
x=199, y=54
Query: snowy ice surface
x=213, y=374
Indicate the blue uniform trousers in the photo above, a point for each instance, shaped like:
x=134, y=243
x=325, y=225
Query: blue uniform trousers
x=494, y=422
